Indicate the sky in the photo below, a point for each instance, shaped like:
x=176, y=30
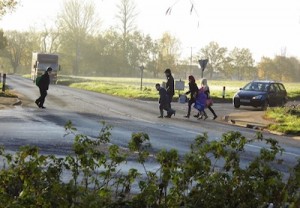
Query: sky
x=265, y=27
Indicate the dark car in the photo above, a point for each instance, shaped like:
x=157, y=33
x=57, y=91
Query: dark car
x=261, y=94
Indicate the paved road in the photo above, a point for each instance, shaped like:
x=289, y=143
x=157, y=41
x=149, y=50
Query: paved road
x=28, y=124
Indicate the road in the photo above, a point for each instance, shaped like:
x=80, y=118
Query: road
x=29, y=125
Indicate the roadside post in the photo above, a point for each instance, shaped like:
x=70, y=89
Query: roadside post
x=0, y=77
x=179, y=85
x=223, y=94
x=4, y=80
x=142, y=73
x=202, y=63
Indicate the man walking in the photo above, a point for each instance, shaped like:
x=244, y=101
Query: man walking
x=164, y=102
x=170, y=85
x=43, y=84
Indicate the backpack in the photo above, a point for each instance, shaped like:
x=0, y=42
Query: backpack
x=37, y=81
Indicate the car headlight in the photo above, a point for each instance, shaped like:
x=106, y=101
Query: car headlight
x=258, y=97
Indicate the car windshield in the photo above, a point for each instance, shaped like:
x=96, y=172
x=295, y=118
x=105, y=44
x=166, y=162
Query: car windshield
x=256, y=86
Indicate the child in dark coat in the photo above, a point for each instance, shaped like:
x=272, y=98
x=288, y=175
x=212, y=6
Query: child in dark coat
x=164, y=102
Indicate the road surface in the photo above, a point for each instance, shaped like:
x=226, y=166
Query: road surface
x=29, y=125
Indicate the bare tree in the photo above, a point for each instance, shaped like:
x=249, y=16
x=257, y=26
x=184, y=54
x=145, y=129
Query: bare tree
x=126, y=16
x=77, y=20
x=50, y=40
x=126, y=23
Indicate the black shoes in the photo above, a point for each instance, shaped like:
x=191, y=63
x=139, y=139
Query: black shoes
x=215, y=117
x=37, y=103
x=170, y=115
x=197, y=115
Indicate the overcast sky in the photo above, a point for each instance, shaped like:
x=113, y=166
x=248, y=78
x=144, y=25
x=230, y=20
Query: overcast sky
x=266, y=27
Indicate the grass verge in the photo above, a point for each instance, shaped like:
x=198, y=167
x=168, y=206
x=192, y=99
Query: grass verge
x=120, y=90
x=287, y=119
x=7, y=93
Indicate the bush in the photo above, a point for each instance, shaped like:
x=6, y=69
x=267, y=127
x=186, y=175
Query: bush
x=29, y=179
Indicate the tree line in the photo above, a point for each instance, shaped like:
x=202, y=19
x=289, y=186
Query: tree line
x=123, y=49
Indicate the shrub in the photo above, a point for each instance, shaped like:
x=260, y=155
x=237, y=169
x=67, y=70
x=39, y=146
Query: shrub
x=210, y=175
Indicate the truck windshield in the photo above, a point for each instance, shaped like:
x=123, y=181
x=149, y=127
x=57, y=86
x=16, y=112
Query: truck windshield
x=44, y=66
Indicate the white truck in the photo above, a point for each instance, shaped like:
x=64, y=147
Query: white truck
x=40, y=63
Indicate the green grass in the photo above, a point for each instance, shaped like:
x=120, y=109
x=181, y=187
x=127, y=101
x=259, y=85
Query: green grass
x=118, y=89
x=287, y=119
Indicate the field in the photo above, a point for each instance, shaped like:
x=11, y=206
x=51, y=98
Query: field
x=130, y=87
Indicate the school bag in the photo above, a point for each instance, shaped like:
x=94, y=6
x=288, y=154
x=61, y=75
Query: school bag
x=38, y=80
x=182, y=99
x=200, y=102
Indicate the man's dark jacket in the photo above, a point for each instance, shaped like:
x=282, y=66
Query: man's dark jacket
x=44, y=81
x=170, y=85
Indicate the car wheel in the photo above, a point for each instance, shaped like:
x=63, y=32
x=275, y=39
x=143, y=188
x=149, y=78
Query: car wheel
x=265, y=105
x=236, y=104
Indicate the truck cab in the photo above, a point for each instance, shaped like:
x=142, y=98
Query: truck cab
x=40, y=63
